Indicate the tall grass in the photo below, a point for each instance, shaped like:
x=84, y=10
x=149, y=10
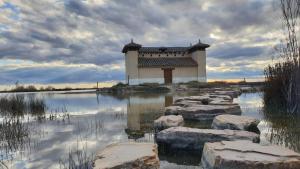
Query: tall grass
x=78, y=158
x=18, y=105
x=14, y=135
x=282, y=87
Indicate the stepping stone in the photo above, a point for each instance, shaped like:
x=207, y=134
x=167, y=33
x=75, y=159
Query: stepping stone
x=194, y=139
x=127, y=156
x=235, y=122
x=231, y=93
x=247, y=155
x=165, y=122
x=203, y=112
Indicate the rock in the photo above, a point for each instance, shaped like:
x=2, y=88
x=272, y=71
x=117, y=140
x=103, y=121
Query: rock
x=168, y=121
x=221, y=101
x=134, y=134
x=194, y=139
x=186, y=103
x=225, y=97
x=251, y=89
x=128, y=156
x=206, y=99
x=210, y=101
x=235, y=122
x=203, y=112
x=247, y=155
x=232, y=93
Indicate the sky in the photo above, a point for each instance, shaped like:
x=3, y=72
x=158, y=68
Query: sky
x=80, y=41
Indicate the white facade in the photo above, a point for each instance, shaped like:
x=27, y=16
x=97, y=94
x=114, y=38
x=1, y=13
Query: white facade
x=164, y=64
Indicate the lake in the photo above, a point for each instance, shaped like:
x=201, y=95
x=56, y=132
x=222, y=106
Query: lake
x=77, y=125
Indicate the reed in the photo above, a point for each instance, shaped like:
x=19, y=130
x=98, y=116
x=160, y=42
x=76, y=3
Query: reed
x=14, y=135
x=78, y=158
x=282, y=87
x=18, y=105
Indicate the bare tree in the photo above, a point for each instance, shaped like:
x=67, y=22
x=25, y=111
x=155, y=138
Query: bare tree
x=284, y=77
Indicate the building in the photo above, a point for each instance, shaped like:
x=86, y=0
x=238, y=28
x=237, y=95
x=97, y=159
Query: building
x=165, y=65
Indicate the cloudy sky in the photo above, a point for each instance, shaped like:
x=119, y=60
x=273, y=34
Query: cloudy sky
x=68, y=41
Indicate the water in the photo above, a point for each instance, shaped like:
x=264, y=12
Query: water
x=87, y=122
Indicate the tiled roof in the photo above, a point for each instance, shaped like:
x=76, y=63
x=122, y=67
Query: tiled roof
x=131, y=46
x=167, y=62
x=198, y=46
x=163, y=49
x=138, y=47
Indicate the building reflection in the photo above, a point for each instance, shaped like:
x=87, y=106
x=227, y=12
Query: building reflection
x=142, y=111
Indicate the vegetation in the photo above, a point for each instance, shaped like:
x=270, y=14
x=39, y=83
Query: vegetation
x=196, y=84
x=119, y=85
x=18, y=105
x=14, y=134
x=29, y=88
x=146, y=87
x=282, y=87
x=77, y=159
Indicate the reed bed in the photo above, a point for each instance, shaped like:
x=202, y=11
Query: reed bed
x=282, y=87
x=78, y=158
x=18, y=105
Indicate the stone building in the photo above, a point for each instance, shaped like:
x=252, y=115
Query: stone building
x=165, y=65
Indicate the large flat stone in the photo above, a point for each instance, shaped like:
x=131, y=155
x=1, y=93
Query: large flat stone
x=128, y=156
x=231, y=93
x=235, y=122
x=205, y=97
x=194, y=139
x=243, y=154
x=165, y=122
x=203, y=112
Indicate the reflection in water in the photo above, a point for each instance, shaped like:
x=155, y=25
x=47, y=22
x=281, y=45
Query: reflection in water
x=95, y=121
x=141, y=112
x=282, y=128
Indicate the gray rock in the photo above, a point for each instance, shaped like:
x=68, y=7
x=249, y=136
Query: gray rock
x=165, y=122
x=243, y=154
x=194, y=139
x=235, y=122
x=128, y=156
x=186, y=103
x=202, y=112
x=231, y=93
x=205, y=97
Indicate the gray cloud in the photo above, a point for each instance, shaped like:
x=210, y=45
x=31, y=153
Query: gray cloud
x=83, y=32
x=234, y=51
x=58, y=75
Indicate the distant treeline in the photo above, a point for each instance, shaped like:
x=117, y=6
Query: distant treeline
x=196, y=84
x=32, y=88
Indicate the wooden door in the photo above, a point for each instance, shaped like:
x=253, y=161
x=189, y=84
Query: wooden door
x=168, y=76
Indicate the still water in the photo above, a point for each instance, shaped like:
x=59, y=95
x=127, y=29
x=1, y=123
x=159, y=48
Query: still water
x=77, y=125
